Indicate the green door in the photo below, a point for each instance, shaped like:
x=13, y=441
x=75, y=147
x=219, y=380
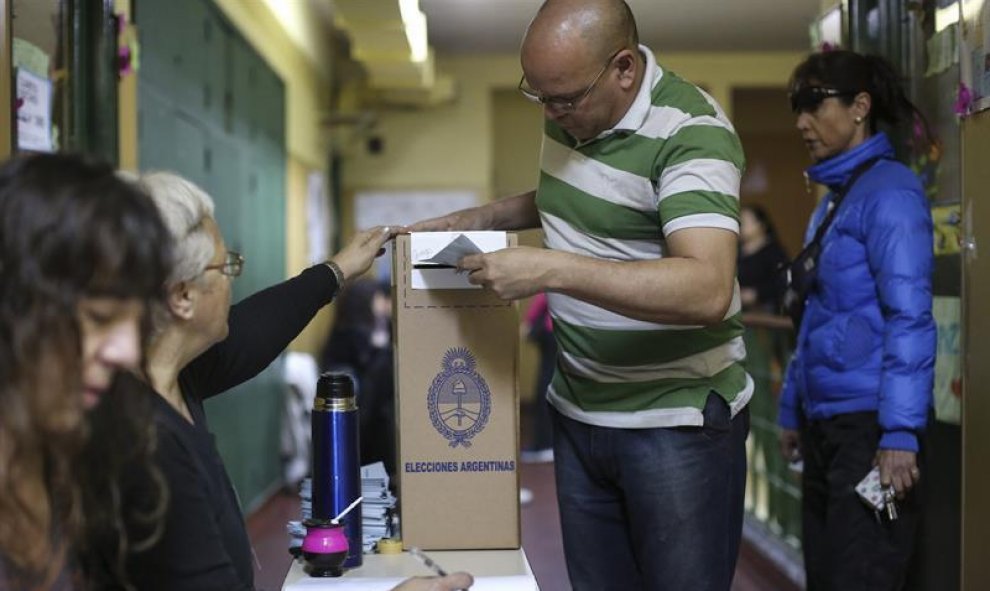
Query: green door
x=212, y=110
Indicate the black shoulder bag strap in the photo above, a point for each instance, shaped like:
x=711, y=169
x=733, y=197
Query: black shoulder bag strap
x=840, y=195
x=801, y=273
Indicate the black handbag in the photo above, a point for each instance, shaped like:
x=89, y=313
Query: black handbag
x=799, y=276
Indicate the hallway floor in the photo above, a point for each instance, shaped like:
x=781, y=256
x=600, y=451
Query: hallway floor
x=541, y=540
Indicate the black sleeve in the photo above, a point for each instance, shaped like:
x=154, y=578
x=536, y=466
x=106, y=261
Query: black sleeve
x=191, y=553
x=261, y=327
x=348, y=347
x=768, y=287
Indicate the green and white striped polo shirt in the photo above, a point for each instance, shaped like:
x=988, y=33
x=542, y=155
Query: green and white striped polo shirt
x=673, y=162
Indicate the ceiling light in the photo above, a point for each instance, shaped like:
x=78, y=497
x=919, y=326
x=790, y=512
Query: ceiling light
x=416, y=34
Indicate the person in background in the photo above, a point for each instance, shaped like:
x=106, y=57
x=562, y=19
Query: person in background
x=760, y=258
x=539, y=331
x=360, y=344
x=202, y=346
x=639, y=203
x=858, y=391
x=82, y=255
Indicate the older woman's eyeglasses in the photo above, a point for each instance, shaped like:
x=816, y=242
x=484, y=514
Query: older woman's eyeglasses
x=232, y=265
x=564, y=103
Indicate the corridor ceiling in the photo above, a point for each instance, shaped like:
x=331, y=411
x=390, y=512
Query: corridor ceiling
x=497, y=26
x=386, y=36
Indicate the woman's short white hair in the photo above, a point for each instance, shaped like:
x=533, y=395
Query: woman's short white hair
x=184, y=207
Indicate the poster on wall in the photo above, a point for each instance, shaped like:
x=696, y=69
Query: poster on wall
x=975, y=55
x=34, y=112
x=381, y=208
x=391, y=207
x=317, y=218
x=948, y=366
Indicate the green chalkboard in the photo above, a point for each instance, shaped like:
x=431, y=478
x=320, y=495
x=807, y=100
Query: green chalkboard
x=212, y=110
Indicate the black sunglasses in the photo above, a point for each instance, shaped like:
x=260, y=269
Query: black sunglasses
x=807, y=98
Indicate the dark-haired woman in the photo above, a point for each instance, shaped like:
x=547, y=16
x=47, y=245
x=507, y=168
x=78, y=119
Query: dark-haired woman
x=858, y=391
x=760, y=256
x=82, y=253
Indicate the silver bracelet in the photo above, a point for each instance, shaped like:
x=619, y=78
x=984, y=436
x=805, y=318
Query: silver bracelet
x=338, y=275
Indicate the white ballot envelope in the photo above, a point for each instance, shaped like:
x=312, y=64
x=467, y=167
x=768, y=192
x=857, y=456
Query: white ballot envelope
x=435, y=256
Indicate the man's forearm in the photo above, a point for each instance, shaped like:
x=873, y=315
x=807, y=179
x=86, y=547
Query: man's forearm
x=668, y=291
x=515, y=213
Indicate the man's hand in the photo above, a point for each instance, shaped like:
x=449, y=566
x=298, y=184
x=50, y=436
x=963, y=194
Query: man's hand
x=790, y=445
x=512, y=273
x=451, y=582
x=899, y=468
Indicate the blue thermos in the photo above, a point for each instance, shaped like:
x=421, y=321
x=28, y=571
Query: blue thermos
x=336, y=458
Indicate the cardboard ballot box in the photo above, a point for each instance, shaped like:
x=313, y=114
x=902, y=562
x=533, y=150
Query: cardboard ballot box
x=457, y=399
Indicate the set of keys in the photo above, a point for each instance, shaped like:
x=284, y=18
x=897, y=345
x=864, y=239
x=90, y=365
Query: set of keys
x=882, y=499
x=889, y=503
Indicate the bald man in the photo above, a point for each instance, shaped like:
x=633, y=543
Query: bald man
x=638, y=199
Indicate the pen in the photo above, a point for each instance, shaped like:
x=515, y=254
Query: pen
x=427, y=561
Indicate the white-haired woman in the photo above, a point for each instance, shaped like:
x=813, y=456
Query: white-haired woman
x=199, y=350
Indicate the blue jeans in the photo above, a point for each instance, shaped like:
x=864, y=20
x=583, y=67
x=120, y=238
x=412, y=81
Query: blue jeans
x=656, y=509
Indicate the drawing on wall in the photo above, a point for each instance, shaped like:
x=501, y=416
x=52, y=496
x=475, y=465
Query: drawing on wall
x=948, y=366
x=948, y=229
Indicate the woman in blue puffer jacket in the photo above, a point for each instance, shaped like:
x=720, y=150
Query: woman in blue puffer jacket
x=858, y=391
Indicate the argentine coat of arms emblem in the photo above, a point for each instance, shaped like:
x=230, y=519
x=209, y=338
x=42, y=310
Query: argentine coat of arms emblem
x=459, y=400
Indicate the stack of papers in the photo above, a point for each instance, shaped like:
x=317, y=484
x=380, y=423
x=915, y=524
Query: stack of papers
x=296, y=529
x=378, y=507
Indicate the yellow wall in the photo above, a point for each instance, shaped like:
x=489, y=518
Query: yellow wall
x=443, y=147
x=451, y=146
x=288, y=35
x=722, y=72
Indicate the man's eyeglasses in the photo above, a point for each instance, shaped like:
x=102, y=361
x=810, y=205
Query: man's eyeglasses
x=232, y=265
x=564, y=103
x=807, y=99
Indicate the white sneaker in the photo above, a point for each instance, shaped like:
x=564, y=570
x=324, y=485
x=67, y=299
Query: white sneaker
x=536, y=456
x=525, y=496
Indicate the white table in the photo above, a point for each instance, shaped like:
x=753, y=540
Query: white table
x=493, y=570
